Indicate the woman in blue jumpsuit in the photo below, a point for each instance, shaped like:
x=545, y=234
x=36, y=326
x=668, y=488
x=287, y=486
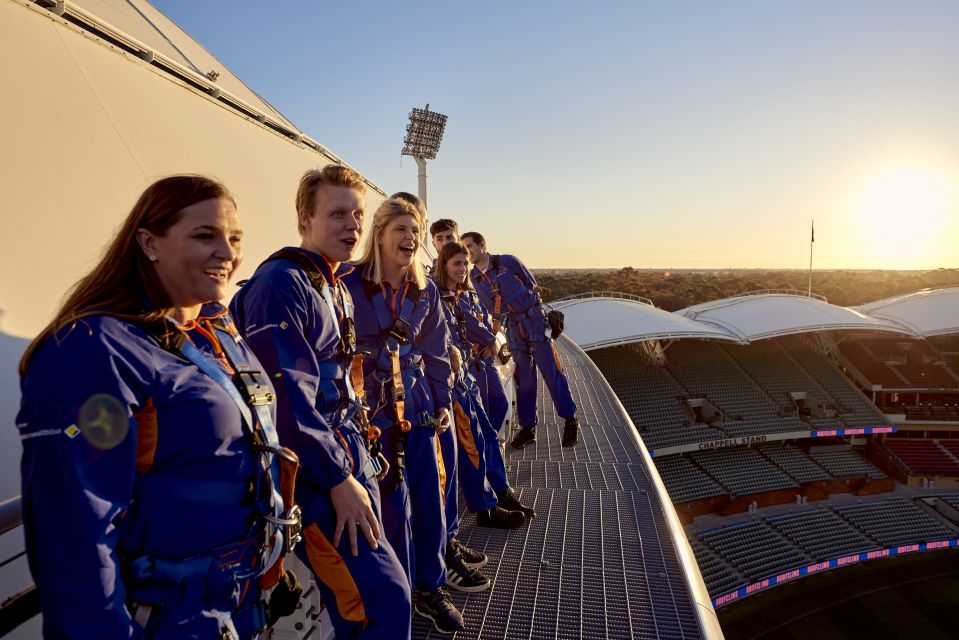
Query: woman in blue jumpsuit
x=489, y=486
x=407, y=374
x=143, y=497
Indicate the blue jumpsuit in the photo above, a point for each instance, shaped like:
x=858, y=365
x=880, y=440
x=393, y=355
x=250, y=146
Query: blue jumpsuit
x=296, y=333
x=484, y=369
x=137, y=467
x=493, y=400
x=526, y=330
x=412, y=506
x=466, y=452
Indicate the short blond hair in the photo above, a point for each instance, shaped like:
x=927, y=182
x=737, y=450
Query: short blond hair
x=334, y=175
x=372, y=261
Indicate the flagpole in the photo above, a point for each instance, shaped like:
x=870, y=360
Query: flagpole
x=812, y=240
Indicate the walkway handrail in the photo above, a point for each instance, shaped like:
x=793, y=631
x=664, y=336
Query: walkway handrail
x=11, y=516
x=619, y=295
x=780, y=292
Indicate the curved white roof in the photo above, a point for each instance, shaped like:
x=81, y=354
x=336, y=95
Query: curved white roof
x=924, y=313
x=602, y=321
x=768, y=315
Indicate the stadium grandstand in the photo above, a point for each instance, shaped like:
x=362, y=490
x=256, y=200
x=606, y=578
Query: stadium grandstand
x=805, y=437
x=725, y=448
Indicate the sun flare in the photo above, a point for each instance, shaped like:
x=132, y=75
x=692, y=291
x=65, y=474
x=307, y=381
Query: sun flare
x=902, y=213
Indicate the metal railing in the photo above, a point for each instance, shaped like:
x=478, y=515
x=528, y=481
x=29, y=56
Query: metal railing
x=16, y=608
x=618, y=295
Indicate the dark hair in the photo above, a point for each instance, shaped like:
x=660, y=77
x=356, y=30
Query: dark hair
x=475, y=236
x=443, y=224
x=447, y=253
x=413, y=200
x=124, y=284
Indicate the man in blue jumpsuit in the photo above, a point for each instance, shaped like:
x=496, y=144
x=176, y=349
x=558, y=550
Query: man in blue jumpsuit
x=297, y=317
x=507, y=288
x=472, y=332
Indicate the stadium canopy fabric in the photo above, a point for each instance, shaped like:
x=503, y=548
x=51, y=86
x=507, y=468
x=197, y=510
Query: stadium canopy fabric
x=924, y=313
x=600, y=321
x=760, y=316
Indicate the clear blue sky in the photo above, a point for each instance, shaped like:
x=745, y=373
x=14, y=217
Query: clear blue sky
x=676, y=134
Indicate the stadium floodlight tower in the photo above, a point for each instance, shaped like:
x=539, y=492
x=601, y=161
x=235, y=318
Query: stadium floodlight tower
x=424, y=134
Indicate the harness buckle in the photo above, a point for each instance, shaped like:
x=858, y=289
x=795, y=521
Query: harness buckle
x=400, y=330
x=250, y=381
x=293, y=531
x=281, y=452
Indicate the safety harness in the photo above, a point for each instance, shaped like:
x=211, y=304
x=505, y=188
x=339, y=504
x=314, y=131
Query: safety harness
x=396, y=326
x=348, y=364
x=272, y=491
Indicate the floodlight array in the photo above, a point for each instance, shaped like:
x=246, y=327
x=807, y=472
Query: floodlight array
x=424, y=133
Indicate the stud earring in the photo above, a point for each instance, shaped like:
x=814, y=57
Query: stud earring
x=153, y=258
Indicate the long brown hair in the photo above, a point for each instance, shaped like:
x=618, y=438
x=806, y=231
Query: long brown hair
x=449, y=251
x=124, y=284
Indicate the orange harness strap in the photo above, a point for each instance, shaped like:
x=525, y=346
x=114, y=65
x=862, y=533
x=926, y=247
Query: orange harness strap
x=399, y=393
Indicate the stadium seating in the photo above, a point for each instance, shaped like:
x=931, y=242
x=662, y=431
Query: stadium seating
x=718, y=575
x=856, y=411
x=845, y=463
x=777, y=375
x=952, y=446
x=793, y=461
x=764, y=547
x=925, y=375
x=894, y=521
x=742, y=470
x=822, y=533
x=652, y=399
x=876, y=371
x=705, y=370
x=755, y=549
x=685, y=481
x=923, y=457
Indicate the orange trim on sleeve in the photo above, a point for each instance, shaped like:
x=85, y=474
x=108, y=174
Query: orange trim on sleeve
x=330, y=568
x=147, y=435
x=465, y=435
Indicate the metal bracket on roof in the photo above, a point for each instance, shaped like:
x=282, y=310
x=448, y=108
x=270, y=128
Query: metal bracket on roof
x=54, y=6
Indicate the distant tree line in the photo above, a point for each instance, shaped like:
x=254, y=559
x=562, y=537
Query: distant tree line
x=673, y=290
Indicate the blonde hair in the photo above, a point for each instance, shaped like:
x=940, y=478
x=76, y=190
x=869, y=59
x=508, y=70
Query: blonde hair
x=333, y=175
x=371, y=262
x=124, y=284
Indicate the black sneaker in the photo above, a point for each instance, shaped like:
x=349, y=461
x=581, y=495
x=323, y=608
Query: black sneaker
x=508, y=500
x=571, y=432
x=438, y=607
x=500, y=518
x=462, y=577
x=523, y=437
x=469, y=555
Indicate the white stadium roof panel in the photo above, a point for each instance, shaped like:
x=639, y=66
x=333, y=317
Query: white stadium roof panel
x=598, y=322
x=768, y=315
x=144, y=23
x=925, y=313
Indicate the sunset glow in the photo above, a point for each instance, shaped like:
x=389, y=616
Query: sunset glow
x=904, y=214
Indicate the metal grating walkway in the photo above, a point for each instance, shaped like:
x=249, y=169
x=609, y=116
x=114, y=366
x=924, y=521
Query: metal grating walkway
x=598, y=561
